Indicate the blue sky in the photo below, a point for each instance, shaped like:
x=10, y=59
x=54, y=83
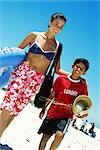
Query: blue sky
x=80, y=36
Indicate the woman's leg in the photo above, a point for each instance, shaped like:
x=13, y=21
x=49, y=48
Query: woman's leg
x=43, y=141
x=57, y=140
x=5, y=120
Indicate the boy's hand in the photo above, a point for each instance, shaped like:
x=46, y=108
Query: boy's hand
x=42, y=113
x=83, y=114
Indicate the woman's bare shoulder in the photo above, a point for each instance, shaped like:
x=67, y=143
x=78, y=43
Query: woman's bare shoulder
x=32, y=34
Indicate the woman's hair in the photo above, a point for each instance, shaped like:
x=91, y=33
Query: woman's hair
x=58, y=15
x=84, y=61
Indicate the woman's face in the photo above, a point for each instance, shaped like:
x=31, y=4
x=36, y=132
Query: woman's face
x=57, y=25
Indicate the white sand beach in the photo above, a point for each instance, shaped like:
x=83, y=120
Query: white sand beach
x=22, y=133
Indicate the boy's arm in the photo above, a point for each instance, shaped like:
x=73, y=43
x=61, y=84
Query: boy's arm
x=56, y=87
x=48, y=100
x=85, y=87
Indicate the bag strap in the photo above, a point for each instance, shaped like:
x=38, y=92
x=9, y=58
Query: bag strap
x=54, y=63
x=58, y=54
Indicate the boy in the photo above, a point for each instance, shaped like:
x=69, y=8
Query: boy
x=66, y=88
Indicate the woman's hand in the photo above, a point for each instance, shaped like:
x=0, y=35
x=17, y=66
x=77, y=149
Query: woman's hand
x=42, y=113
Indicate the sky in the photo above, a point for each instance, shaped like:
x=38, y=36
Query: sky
x=80, y=36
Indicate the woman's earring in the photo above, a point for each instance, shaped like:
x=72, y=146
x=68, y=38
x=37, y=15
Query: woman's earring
x=48, y=26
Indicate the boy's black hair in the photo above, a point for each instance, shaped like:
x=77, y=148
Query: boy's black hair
x=84, y=61
x=58, y=15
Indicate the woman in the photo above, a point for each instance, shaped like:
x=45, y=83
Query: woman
x=27, y=78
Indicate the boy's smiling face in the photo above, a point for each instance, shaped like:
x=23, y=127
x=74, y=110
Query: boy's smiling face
x=78, y=69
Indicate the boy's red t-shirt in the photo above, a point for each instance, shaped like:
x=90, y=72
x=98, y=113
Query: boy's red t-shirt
x=66, y=91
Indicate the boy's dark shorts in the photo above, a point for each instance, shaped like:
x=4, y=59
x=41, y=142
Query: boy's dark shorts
x=50, y=125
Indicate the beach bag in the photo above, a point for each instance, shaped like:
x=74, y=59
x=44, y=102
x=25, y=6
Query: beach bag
x=40, y=98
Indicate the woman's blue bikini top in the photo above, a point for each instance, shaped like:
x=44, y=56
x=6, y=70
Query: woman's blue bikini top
x=36, y=49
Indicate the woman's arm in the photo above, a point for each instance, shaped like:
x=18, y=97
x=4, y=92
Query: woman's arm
x=59, y=70
x=27, y=41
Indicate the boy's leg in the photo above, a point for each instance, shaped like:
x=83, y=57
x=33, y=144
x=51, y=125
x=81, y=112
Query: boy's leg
x=62, y=128
x=43, y=141
x=47, y=129
x=5, y=119
x=57, y=140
